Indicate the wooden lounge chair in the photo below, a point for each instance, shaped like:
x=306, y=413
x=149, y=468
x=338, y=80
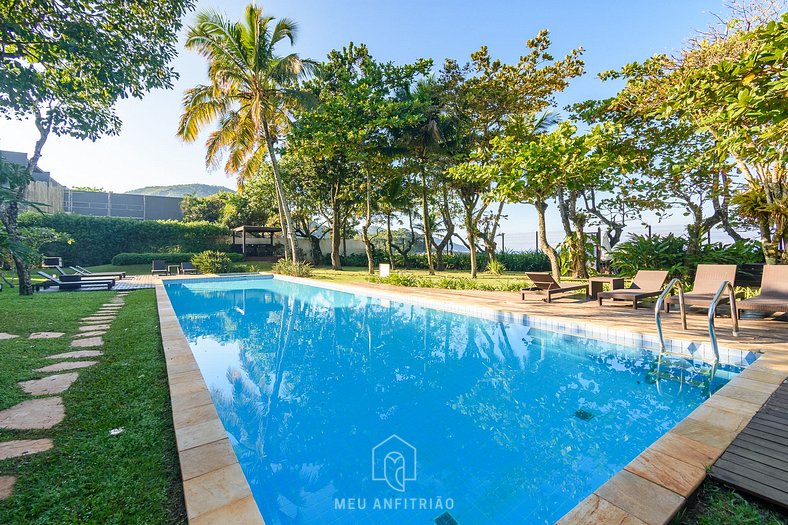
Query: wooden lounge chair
x=188, y=267
x=78, y=283
x=81, y=271
x=647, y=283
x=774, y=291
x=544, y=282
x=159, y=267
x=708, y=279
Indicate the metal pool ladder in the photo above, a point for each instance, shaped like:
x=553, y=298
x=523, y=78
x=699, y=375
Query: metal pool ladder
x=675, y=283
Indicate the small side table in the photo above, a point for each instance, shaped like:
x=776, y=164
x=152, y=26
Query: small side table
x=170, y=269
x=597, y=284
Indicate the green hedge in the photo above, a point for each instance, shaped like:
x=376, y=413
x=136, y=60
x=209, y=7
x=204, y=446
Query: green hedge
x=123, y=259
x=529, y=261
x=96, y=240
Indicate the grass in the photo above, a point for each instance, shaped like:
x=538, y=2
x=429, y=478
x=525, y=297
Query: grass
x=90, y=476
x=716, y=504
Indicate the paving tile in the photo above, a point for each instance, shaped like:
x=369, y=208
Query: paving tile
x=651, y=503
x=763, y=375
x=687, y=450
x=39, y=413
x=704, y=432
x=666, y=471
x=66, y=365
x=91, y=327
x=23, y=447
x=731, y=420
x=197, y=461
x=77, y=354
x=4, y=335
x=214, y=490
x=6, y=486
x=199, y=434
x=97, y=319
x=194, y=415
x=46, y=335
x=186, y=377
x=54, y=384
x=596, y=511
x=240, y=512
x=191, y=399
x=95, y=333
x=87, y=342
x=744, y=393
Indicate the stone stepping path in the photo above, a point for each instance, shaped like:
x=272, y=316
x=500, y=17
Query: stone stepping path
x=66, y=365
x=41, y=413
x=23, y=447
x=97, y=319
x=77, y=354
x=6, y=486
x=4, y=335
x=87, y=342
x=46, y=335
x=88, y=328
x=48, y=385
x=90, y=334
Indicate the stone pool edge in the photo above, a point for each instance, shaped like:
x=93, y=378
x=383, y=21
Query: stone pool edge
x=651, y=489
x=214, y=486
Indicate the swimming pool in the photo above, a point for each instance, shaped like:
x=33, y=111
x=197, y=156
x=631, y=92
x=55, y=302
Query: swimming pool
x=343, y=408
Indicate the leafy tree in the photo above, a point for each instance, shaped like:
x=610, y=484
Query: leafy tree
x=251, y=94
x=92, y=189
x=65, y=64
x=196, y=209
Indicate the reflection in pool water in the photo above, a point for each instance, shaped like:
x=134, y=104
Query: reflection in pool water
x=510, y=424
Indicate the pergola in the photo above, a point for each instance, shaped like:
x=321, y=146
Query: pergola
x=262, y=231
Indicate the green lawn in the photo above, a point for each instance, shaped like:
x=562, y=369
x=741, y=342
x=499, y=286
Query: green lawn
x=716, y=504
x=91, y=476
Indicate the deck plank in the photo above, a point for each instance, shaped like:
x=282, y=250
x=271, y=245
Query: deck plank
x=757, y=460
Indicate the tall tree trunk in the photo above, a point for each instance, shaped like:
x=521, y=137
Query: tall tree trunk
x=427, y=227
x=389, y=240
x=446, y=240
x=336, y=231
x=541, y=207
x=471, y=229
x=289, y=228
x=282, y=225
x=365, y=229
x=580, y=259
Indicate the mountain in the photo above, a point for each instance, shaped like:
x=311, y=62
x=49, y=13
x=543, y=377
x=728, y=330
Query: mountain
x=179, y=190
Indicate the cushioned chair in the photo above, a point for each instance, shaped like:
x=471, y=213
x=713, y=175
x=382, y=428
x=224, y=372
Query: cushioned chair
x=708, y=279
x=774, y=291
x=647, y=283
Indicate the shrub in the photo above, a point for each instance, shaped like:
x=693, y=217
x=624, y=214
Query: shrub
x=529, y=261
x=495, y=267
x=211, y=261
x=123, y=259
x=96, y=240
x=448, y=283
x=296, y=269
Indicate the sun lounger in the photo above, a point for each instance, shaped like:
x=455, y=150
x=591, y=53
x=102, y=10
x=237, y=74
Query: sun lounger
x=84, y=277
x=708, y=279
x=647, y=283
x=159, y=267
x=544, y=282
x=774, y=291
x=81, y=271
x=78, y=283
x=188, y=267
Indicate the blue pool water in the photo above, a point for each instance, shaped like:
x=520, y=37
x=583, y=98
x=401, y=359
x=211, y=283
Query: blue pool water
x=508, y=424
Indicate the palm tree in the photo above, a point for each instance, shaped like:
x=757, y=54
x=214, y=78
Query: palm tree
x=251, y=94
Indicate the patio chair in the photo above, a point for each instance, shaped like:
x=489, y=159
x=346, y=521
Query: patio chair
x=647, y=283
x=159, y=267
x=81, y=271
x=83, y=277
x=774, y=291
x=708, y=279
x=77, y=283
x=544, y=282
x=188, y=267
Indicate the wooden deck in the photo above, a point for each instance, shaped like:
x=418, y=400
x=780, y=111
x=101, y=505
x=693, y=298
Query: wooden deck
x=757, y=460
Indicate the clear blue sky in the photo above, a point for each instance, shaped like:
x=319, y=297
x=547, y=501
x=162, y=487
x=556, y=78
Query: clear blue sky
x=612, y=33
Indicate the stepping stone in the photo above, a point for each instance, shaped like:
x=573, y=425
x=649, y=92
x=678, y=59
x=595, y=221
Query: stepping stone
x=4, y=335
x=65, y=365
x=110, y=305
x=49, y=385
x=97, y=318
x=6, y=486
x=94, y=327
x=46, y=335
x=87, y=342
x=23, y=447
x=41, y=413
x=77, y=354
x=103, y=320
x=90, y=334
